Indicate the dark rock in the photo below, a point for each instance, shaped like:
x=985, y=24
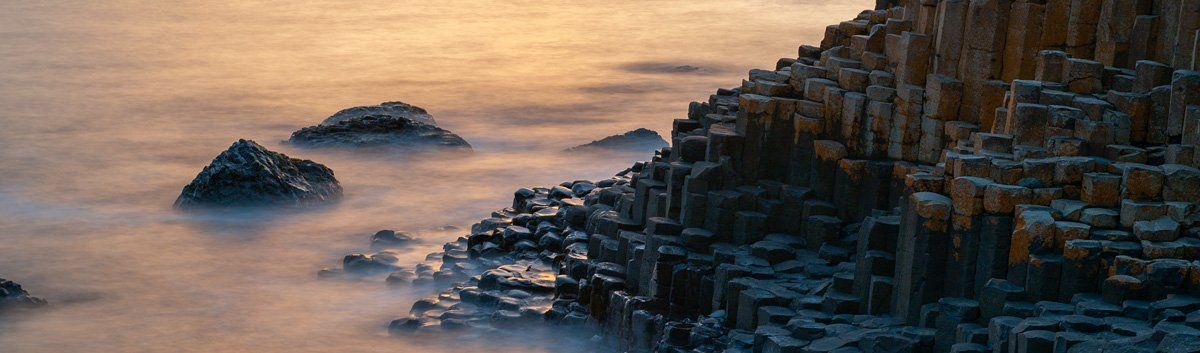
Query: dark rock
x=693, y=148
x=773, y=252
x=400, y=109
x=247, y=174
x=378, y=131
x=662, y=68
x=389, y=237
x=366, y=264
x=582, y=188
x=331, y=273
x=1082, y=323
x=1032, y=183
x=1160, y=230
x=405, y=325
x=968, y=348
x=401, y=278
x=13, y=296
x=640, y=140
x=1179, y=344
x=1035, y=341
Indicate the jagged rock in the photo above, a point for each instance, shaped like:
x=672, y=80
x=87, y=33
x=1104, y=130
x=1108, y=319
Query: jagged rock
x=394, y=131
x=640, y=140
x=13, y=296
x=247, y=174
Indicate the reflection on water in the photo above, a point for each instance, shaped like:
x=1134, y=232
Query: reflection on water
x=108, y=108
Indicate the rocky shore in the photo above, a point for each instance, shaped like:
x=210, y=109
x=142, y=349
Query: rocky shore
x=936, y=176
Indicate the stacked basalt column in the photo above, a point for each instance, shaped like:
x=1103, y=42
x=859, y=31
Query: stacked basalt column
x=876, y=263
x=953, y=175
x=1049, y=127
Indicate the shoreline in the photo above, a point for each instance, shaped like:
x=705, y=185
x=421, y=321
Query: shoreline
x=910, y=185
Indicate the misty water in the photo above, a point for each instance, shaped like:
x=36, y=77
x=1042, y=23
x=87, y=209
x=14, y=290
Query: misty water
x=108, y=108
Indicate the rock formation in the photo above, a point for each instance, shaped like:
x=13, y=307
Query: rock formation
x=375, y=131
x=664, y=68
x=639, y=140
x=400, y=109
x=388, y=237
x=247, y=174
x=940, y=176
x=13, y=296
x=389, y=125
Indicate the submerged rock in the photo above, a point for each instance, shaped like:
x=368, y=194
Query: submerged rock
x=401, y=277
x=640, y=140
x=664, y=68
x=391, y=124
x=383, y=261
x=388, y=237
x=13, y=296
x=247, y=174
x=399, y=109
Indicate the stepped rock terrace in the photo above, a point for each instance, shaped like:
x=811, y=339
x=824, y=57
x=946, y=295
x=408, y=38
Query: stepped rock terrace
x=935, y=176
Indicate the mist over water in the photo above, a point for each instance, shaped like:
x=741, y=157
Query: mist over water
x=108, y=108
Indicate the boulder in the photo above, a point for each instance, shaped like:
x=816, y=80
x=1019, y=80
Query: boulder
x=247, y=174
x=383, y=261
x=640, y=140
x=376, y=131
x=399, y=109
x=13, y=296
x=388, y=237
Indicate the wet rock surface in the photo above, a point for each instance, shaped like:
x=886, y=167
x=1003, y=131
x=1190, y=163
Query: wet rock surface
x=378, y=131
x=640, y=140
x=247, y=174
x=13, y=296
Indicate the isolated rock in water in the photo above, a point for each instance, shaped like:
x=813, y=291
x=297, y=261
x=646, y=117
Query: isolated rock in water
x=378, y=131
x=399, y=109
x=640, y=140
x=390, y=124
x=12, y=296
x=663, y=68
x=249, y=175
